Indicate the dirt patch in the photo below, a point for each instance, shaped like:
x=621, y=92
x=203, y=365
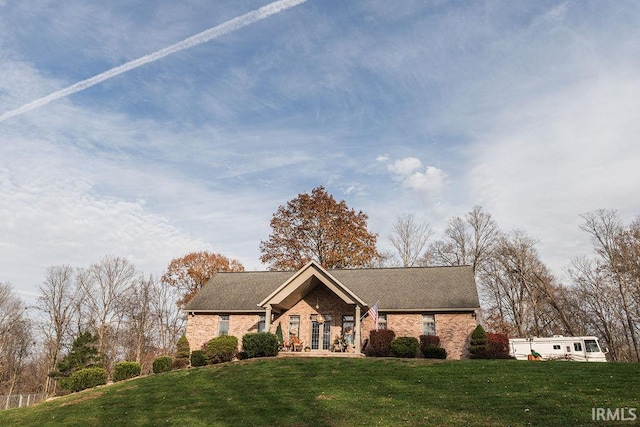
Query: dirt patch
x=88, y=396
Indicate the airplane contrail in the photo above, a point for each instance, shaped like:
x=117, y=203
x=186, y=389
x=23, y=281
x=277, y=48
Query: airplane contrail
x=203, y=37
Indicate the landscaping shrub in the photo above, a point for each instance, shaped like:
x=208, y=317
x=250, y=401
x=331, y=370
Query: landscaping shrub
x=428, y=341
x=198, y=358
x=87, y=378
x=405, y=347
x=221, y=349
x=497, y=348
x=162, y=364
x=180, y=363
x=261, y=344
x=126, y=370
x=182, y=348
x=434, y=353
x=478, y=343
x=380, y=343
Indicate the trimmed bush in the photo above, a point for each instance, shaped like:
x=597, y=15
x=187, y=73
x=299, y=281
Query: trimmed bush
x=434, y=353
x=380, y=343
x=429, y=341
x=478, y=342
x=87, y=378
x=162, y=364
x=182, y=348
x=221, y=349
x=126, y=370
x=405, y=347
x=198, y=358
x=261, y=344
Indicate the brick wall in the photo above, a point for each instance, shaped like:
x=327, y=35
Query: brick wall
x=452, y=328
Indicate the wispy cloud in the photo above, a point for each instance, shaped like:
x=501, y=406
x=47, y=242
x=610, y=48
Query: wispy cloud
x=202, y=37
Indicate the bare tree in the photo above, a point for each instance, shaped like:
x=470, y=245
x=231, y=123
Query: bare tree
x=170, y=321
x=409, y=238
x=105, y=286
x=15, y=338
x=467, y=240
x=58, y=301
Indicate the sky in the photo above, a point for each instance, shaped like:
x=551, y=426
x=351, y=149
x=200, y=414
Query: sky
x=530, y=109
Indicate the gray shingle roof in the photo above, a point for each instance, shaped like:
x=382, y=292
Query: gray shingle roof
x=414, y=288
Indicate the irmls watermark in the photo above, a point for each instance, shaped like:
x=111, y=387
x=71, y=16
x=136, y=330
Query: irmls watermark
x=614, y=414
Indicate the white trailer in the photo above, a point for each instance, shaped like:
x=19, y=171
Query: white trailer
x=558, y=347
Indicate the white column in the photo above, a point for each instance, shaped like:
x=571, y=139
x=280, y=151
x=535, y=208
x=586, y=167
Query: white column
x=267, y=319
x=357, y=328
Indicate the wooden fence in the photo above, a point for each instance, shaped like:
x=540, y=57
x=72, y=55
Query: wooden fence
x=20, y=400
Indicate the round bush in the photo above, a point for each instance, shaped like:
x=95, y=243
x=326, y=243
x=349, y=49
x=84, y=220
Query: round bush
x=162, y=364
x=126, y=370
x=221, y=349
x=198, y=358
x=434, y=353
x=87, y=378
x=405, y=347
x=261, y=344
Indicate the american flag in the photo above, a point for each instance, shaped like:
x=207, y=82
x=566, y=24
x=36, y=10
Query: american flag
x=373, y=312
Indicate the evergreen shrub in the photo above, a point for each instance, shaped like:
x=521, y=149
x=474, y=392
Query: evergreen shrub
x=221, y=349
x=87, y=378
x=405, y=347
x=182, y=348
x=198, y=358
x=478, y=343
x=261, y=344
x=434, y=353
x=126, y=370
x=162, y=364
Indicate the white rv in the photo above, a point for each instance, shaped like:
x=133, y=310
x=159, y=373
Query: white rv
x=558, y=347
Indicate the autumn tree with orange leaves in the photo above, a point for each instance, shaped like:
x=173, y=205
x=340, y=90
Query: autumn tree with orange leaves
x=192, y=271
x=316, y=227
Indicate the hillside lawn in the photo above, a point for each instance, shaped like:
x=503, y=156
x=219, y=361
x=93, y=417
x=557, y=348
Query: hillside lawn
x=351, y=392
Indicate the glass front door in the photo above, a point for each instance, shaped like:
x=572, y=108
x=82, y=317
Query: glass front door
x=321, y=333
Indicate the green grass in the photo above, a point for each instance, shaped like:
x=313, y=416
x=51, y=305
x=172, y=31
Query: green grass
x=351, y=392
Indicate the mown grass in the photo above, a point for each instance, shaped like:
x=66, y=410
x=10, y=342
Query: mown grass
x=351, y=392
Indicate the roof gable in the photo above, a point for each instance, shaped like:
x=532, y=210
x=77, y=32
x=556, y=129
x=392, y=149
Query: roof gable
x=302, y=282
x=395, y=289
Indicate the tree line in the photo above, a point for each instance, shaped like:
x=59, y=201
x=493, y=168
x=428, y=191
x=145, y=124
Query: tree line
x=138, y=318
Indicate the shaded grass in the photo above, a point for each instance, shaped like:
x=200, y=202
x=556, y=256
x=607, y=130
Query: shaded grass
x=348, y=392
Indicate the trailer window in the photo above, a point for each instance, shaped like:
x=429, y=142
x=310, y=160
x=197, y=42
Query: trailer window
x=568, y=349
x=556, y=346
x=591, y=346
x=577, y=346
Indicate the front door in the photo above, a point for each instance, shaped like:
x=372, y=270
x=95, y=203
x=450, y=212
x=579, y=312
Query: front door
x=321, y=334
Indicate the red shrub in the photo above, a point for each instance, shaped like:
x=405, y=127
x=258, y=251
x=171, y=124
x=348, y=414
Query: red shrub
x=379, y=344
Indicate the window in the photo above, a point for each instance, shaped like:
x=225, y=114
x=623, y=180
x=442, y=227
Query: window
x=568, y=349
x=347, y=328
x=556, y=346
x=577, y=346
x=382, y=321
x=428, y=324
x=294, y=326
x=223, y=327
x=262, y=322
x=591, y=346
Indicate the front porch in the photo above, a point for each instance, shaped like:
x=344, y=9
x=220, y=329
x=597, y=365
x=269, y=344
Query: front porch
x=306, y=354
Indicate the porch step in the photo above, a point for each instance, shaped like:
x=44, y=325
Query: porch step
x=318, y=354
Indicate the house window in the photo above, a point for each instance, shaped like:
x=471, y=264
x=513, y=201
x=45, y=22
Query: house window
x=262, y=322
x=223, y=327
x=577, y=346
x=382, y=321
x=347, y=328
x=428, y=324
x=294, y=326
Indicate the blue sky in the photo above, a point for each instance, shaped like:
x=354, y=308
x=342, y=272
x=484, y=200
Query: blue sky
x=529, y=109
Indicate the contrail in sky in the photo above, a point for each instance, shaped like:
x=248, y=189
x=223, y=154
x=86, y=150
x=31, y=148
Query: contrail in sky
x=203, y=37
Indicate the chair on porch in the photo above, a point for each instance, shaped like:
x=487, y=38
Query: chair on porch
x=296, y=344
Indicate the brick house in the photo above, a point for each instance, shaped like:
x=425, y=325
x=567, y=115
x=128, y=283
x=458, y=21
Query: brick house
x=317, y=306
